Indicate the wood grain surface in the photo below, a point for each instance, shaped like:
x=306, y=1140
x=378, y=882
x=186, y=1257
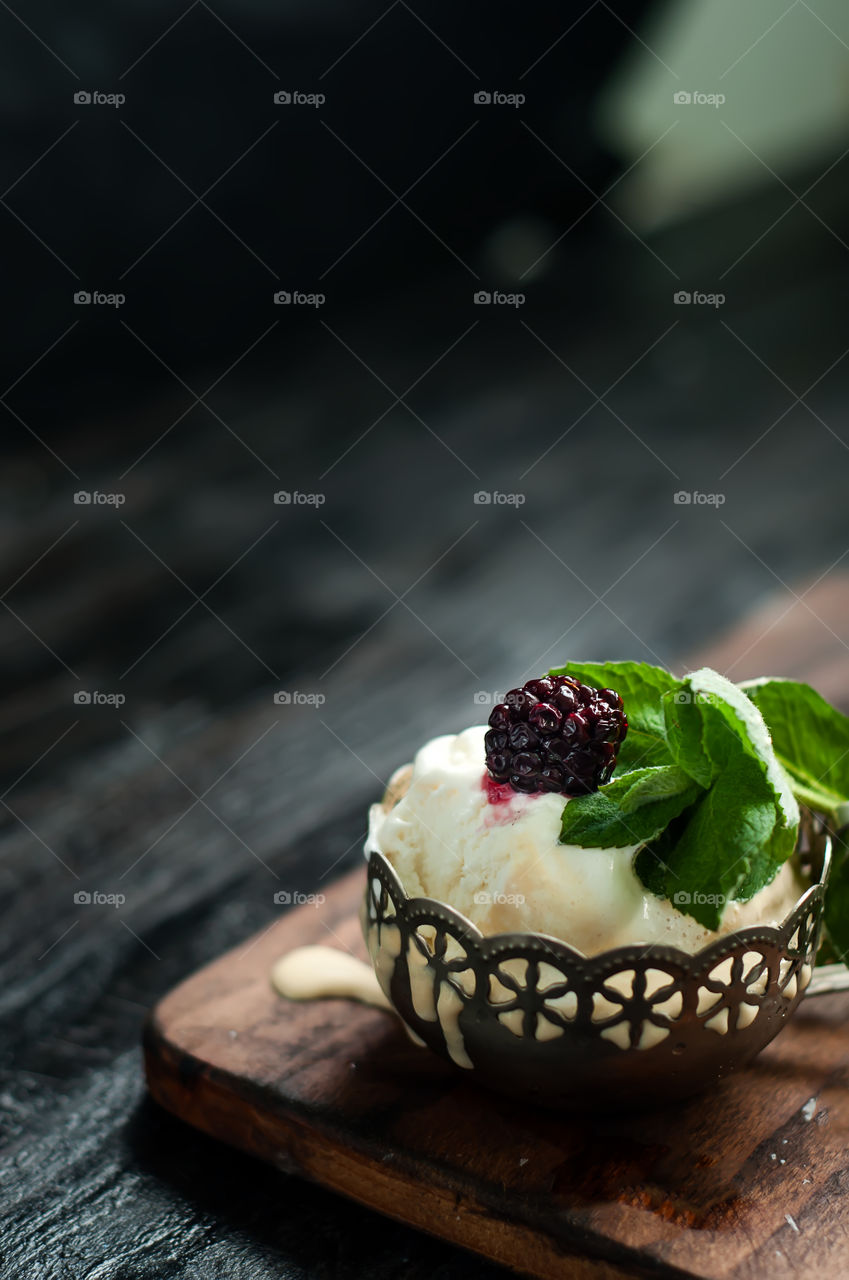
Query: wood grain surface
x=98, y=1182
x=747, y=1181
x=740, y=1183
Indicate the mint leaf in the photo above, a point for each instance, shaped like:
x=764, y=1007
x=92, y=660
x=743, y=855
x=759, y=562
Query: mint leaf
x=629, y=810
x=729, y=722
x=652, y=861
x=740, y=832
x=713, y=856
x=810, y=737
x=641, y=748
x=641, y=687
x=684, y=725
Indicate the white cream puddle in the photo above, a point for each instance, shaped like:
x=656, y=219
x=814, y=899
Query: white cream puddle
x=314, y=973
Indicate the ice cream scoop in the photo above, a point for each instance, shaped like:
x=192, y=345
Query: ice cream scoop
x=495, y=855
x=547, y=971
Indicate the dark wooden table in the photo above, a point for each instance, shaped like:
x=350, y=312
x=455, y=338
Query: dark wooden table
x=397, y=601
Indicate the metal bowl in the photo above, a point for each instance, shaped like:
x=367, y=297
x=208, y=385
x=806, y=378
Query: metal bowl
x=530, y=1016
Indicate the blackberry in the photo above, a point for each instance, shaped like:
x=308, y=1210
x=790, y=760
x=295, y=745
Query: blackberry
x=555, y=734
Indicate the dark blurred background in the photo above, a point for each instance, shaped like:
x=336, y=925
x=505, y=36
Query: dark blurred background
x=119, y=201
x=283, y=218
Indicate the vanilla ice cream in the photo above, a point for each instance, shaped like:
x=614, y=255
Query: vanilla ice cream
x=495, y=856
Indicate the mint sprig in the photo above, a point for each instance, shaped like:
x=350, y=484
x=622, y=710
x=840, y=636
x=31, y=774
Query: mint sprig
x=635, y=807
x=708, y=780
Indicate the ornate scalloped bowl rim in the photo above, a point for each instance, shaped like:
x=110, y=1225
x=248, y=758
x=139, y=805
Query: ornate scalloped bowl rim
x=490, y=946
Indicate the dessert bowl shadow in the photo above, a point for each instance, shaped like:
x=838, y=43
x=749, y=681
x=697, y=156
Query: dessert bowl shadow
x=529, y=1016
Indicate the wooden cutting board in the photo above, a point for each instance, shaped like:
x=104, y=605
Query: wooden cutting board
x=747, y=1182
